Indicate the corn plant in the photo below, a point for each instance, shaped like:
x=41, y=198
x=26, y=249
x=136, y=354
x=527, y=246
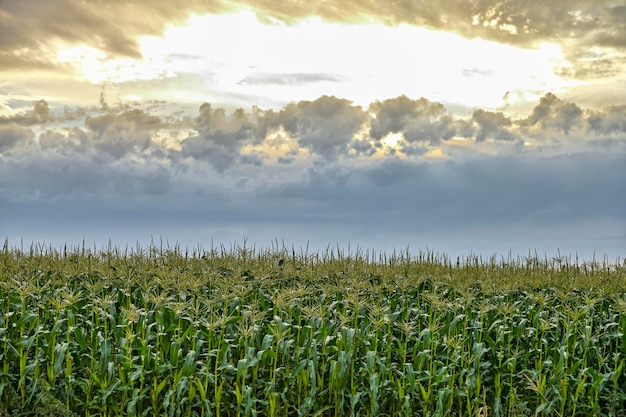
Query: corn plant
x=243, y=331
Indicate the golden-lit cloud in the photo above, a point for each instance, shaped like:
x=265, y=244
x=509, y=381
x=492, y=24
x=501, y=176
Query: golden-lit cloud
x=269, y=53
x=325, y=131
x=237, y=55
x=590, y=33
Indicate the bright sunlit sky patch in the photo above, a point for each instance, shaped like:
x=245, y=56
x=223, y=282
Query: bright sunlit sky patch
x=240, y=56
x=469, y=126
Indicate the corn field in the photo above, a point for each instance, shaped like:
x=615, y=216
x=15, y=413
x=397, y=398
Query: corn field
x=243, y=331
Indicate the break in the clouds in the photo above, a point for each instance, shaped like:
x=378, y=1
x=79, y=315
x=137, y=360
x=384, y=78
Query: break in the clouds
x=464, y=53
x=592, y=33
x=466, y=126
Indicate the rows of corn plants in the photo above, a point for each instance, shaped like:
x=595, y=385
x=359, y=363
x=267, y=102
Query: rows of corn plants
x=274, y=332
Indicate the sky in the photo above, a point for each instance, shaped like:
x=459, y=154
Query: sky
x=462, y=127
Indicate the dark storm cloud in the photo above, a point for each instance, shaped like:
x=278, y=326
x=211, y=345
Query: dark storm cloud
x=290, y=79
x=418, y=120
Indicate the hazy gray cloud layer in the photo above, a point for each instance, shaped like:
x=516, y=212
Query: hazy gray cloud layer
x=318, y=169
x=592, y=33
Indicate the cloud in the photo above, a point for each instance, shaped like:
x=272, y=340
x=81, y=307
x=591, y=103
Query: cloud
x=112, y=27
x=609, y=121
x=220, y=136
x=476, y=72
x=27, y=59
x=418, y=120
x=492, y=125
x=12, y=136
x=115, y=174
x=115, y=135
x=290, y=79
x=553, y=114
x=104, y=139
x=328, y=127
x=613, y=36
x=66, y=142
x=133, y=120
x=325, y=126
x=580, y=27
x=39, y=114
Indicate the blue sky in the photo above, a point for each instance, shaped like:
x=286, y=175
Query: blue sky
x=482, y=127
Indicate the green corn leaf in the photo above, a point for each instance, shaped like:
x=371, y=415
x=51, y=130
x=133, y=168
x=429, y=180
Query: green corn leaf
x=60, y=357
x=160, y=387
x=189, y=365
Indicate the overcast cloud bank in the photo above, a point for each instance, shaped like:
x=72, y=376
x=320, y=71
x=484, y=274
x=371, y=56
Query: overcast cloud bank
x=400, y=172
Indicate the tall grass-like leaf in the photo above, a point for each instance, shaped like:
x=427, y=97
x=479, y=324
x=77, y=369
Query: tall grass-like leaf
x=234, y=331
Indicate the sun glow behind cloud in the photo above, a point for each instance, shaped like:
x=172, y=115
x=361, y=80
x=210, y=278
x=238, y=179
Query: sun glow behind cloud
x=236, y=55
x=95, y=66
